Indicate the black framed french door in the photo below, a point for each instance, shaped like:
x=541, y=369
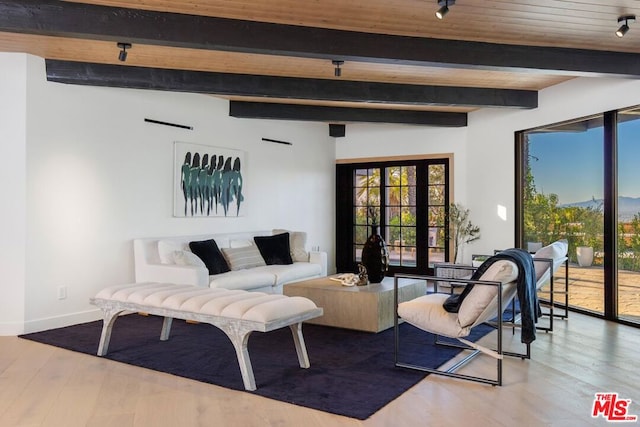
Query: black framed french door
x=406, y=199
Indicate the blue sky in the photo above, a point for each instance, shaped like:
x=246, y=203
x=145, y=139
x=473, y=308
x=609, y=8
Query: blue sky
x=569, y=164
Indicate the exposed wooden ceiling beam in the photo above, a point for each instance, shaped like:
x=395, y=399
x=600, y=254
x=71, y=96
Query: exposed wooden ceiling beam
x=264, y=110
x=283, y=87
x=46, y=17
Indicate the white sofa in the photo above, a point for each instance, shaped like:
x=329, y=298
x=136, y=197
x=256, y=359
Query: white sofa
x=153, y=263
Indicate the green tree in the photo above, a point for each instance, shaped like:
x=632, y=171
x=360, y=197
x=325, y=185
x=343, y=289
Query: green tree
x=546, y=222
x=629, y=244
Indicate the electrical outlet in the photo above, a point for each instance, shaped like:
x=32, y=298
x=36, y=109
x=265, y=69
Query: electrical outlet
x=62, y=292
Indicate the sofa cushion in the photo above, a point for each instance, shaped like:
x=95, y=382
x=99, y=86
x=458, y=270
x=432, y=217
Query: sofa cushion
x=187, y=258
x=297, y=244
x=207, y=251
x=274, y=249
x=293, y=272
x=243, y=279
x=167, y=249
x=240, y=243
x=243, y=257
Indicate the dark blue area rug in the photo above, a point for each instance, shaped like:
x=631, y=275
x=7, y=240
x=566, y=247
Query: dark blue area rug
x=352, y=373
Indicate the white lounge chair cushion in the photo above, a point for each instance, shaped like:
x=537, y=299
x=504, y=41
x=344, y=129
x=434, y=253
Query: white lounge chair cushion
x=427, y=313
x=476, y=301
x=557, y=251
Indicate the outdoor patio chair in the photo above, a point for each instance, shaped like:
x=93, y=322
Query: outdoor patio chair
x=486, y=302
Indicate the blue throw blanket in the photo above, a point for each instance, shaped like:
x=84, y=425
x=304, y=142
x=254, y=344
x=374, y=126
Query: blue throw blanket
x=526, y=286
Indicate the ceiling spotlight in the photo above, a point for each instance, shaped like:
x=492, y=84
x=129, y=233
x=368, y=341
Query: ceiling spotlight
x=624, y=28
x=444, y=8
x=123, y=53
x=338, y=71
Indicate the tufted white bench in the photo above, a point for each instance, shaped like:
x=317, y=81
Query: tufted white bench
x=236, y=312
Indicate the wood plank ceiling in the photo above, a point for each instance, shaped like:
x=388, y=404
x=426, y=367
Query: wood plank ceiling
x=273, y=58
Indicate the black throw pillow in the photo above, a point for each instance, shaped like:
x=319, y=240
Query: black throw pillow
x=274, y=249
x=209, y=253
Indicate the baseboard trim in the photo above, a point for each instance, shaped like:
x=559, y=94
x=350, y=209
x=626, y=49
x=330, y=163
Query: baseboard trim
x=38, y=325
x=8, y=329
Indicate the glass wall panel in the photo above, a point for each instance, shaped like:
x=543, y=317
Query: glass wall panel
x=563, y=198
x=628, y=298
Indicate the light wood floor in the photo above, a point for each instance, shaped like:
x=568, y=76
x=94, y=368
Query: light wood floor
x=46, y=386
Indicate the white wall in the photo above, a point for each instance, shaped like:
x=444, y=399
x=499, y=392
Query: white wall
x=382, y=140
x=484, y=151
x=98, y=176
x=13, y=86
x=84, y=175
x=491, y=145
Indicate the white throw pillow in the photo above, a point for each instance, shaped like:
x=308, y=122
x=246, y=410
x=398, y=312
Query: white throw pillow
x=297, y=244
x=166, y=249
x=244, y=257
x=473, y=305
x=240, y=243
x=188, y=258
x=555, y=250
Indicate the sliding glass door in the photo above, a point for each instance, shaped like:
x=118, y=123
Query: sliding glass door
x=563, y=199
x=628, y=286
x=581, y=181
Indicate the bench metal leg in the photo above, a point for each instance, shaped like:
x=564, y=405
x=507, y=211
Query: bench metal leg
x=301, y=348
x=110, y=317
x=240, y=338
x=166, y=328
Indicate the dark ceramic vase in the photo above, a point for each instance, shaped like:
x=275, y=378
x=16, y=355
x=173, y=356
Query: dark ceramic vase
x=375, y=256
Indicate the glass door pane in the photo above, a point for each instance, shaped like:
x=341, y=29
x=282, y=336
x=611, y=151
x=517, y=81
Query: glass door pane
x=437, y=200
x=400, y=215
x=628, y=298
x=366, y=206
x=563, y=200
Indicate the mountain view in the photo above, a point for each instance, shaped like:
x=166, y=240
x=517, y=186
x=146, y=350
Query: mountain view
x=627, y=206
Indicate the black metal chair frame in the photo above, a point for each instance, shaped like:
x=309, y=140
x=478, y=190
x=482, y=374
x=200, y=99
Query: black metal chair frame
x=475, y=349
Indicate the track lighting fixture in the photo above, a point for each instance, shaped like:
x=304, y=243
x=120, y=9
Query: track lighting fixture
x=123, y=53
x=624, y=28
x=444, y=8
x=338, y=71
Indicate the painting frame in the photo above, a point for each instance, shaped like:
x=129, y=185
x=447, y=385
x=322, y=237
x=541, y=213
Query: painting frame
x=208, y=181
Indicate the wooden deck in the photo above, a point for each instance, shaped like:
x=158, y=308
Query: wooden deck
x=586, y=287
x=586, y=290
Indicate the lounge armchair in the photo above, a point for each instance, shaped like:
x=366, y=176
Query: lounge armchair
x=486, y=301
x=546, y=261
